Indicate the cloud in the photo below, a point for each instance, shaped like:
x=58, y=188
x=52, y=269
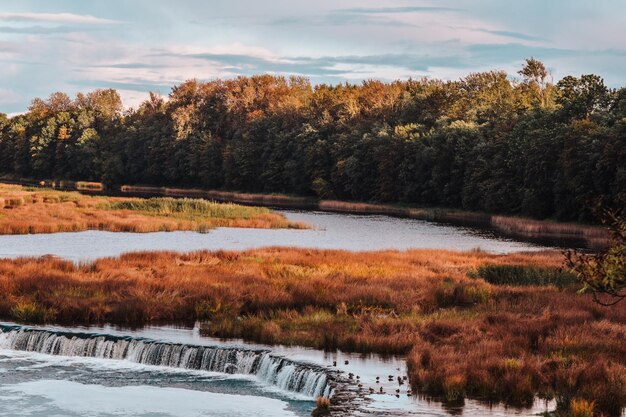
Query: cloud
x=365, y=16
x=514, y=35
x=339, y=20
x=144, y=86
x=327, y=67
x=57, y=18
x=329, y=42
x=455, y=60
x=6, y=47
x=388, y=10
x=38, y=30
x=509, y=52
x=8, y=96
x=248, y=64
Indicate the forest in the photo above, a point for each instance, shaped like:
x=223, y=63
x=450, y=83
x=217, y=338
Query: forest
x=514, y=144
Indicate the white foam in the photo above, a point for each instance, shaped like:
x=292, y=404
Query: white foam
x=41, y=361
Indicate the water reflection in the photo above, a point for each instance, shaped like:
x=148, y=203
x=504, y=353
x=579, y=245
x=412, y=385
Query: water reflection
x=330, y=231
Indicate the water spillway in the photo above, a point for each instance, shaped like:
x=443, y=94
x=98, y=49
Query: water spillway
x=309, y=380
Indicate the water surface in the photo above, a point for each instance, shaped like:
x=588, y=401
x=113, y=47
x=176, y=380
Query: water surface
x=330, y=231
x=74, y=386
x=34, y=384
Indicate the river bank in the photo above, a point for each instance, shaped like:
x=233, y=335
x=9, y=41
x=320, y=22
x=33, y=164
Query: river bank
x=541, y=231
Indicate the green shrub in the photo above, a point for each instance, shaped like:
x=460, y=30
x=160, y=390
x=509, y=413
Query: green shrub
x=188, y=206
x=30, y=312
x=519, y=275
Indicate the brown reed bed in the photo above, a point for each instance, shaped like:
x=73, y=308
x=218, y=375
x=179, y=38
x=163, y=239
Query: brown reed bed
x=28, y=210
x=463, y=336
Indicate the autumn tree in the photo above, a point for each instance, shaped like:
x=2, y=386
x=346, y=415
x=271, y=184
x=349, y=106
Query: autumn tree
x=536, y=81
x=484, y=142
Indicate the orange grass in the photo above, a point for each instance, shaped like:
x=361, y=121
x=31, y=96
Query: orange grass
x=463, y=337
x=25, y=210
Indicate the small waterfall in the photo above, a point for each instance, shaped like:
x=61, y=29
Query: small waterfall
x=309, y=380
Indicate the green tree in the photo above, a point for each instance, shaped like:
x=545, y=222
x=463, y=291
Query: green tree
x=583, y=97
x=604, y=273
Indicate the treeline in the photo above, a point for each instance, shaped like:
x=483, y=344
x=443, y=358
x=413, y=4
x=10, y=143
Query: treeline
x=485, y=142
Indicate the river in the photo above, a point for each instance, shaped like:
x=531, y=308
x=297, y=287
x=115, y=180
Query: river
x=56, y=371
x=329, y=231
x=172, y=371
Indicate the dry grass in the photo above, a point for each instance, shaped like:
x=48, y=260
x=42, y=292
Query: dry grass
x=594, y=236
x=322, y=407
x=27, y=210
x=462, y=335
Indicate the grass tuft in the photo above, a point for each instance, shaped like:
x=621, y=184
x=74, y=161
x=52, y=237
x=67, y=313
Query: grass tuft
x=525, y=275
x=167, y=206
x=322, y=407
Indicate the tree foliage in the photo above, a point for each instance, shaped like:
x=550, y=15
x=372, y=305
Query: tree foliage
x=604, y=273
x=484, y=142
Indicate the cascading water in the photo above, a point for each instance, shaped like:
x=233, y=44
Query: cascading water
x=309, y=380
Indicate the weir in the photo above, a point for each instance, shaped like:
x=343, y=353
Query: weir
x=309, y=380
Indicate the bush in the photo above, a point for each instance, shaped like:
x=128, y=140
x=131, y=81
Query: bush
x=520, y=275
x=30, y=312
x=322, y=407
x=581, y=408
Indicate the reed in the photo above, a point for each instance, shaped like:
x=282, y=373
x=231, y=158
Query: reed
x=167, y=206
x=322, y=407
x=89, y=186
x=581, y=408
x=595, y=237
x=34, y=210
x=463, y=336
x=362, y=208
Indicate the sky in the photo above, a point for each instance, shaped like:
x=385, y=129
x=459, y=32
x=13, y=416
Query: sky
x=138, y=46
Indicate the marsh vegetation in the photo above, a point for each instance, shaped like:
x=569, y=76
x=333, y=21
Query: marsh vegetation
x=463, y=336
x=32, y=210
